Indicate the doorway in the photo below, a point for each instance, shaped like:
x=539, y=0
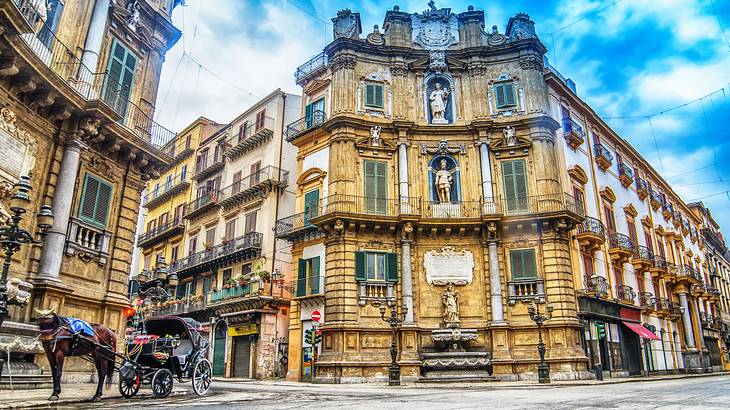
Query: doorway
x=241, y=357
x=219, y=349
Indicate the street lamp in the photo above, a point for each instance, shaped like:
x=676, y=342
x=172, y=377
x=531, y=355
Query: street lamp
x=394, y=320
x=533, y=308
x=12, y=236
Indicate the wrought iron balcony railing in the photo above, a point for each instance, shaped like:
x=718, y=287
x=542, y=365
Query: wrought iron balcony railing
x=179, y=147
x=309, y=121
x=596, y=285
x=161, y=232
x=573, y=133
x=353, y=204
x=620, y=241
x=625, y=294
x=642, y=187
x=592, y=226
x=208, y=163
x=656, y=198
x=660, y=263
x=314, y=65
x=209, y=258
x=295, y=223
x=205, y=201
x=249, y=137
x=169, y=188
x=643, y=253
x=647, y=300
x=604, y=158
x=255, y=184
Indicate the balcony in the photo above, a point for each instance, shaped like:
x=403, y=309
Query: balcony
x=685, y=227
x=596, y=286
x=366, y=208
x=253, y=186
x=525, y=289
x=178, y=307
x=656, y=199
x=232, y=292
x=162, y=194
x=677, y=219
x=591, y=234
x=659, y=267
x=297, y=227
x=710, y=322
x=573, y=133
x=205, y=202
x=244, y=247
x=375, y=292
x=314, y=66
x=71, y=85
x=667, y=211
x=647, y=302
x=160, y=233
x=88, y=241
x=449, y=210
x=620, y=246
x=252, y=137
x=208, y=164
x=309, y=286
x=643, y=258
x=687, y=274
x=304, y=124
x=625, y=294
x=625, y=175
x=179, y=149
x=664, y=307
x=545, y=206
x=715, y=239
x=642, y=188
x=604, y=158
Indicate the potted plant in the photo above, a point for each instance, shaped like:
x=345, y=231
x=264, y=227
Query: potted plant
x=241, y=279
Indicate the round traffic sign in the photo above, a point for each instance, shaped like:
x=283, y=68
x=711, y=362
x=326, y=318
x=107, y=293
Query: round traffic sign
x=316, y=316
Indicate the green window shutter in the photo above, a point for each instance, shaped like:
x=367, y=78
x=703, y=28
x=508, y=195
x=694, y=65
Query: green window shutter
x=530, y=263
x=103, y=202
x=95, y=201
x=302, y=277
x=523, y=264
x=379, y=96
x=509, y=94
x=515, y=185
x=120, y=77
x=360, y=274
x=308, y=110
x=314, y=275
x=391, y=272
x=369, y=95
x=499, y=95
x=376, y=190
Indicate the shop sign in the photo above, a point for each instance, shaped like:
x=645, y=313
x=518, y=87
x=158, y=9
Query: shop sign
x=242, y=330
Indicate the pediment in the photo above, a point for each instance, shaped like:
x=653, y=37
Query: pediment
x=631, y=210
x=646, y=222
x=311, y=175
x=608, y=194
x=385, y=147
x=578, y=174
x=316, y=85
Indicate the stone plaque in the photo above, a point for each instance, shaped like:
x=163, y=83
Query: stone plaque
x=17, y=148
x=449, y=266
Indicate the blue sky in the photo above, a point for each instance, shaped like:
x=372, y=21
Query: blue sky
x=629, y=58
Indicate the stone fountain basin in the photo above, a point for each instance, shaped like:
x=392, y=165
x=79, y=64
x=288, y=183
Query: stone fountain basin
x=453, y=335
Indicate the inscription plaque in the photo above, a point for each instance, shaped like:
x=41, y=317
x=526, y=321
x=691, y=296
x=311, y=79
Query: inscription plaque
x=449, y=266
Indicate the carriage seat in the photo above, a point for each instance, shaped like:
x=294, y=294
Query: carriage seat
x=183, y=350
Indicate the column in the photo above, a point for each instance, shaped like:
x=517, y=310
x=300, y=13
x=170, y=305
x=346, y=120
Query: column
x=689, y=337
x=699, y=323
x=487, y=193
x=63, y=194
x=495, y=284
x=407, y=277
x=403, y=176
x=95, y=35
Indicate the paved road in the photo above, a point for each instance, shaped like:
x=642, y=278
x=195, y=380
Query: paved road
x=700, y=393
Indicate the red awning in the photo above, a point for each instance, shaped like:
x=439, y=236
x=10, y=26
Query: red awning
x=640, y=330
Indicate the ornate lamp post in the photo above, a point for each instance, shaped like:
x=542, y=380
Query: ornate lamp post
x=543, y=370
x=12, y=236
x=394, y=320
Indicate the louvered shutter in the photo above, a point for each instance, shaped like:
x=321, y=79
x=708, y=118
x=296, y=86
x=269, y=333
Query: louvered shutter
x=360, y=274
x=302, y=277
x=314, y=275
x=88, y=198
x=391, y=271
x=529, y=263
x=515, y=185
x=499, y=94
x=509, y=94
x=379, y=96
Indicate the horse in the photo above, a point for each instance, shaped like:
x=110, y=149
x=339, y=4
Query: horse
x=59, y=342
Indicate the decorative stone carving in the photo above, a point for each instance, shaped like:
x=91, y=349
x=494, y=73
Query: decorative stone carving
x=437, y=61
x=407, y=232
x=496, y=39
x=435, y=29
x=18, y=291
x=343, y=62
x=399, y=70
x=450, y=300
x=443, y=149
x=531, y=63
x=339, y=228
x=449, y=266
x=88, y=128
x=477, y=68
x=18, y=148
x=376, y=37
x=21, y=344
x=375, y=136
x=102, y=167
x=492, y=233
x=510, y=136
x=521, y=27
x=346, y=25
x=133, y=18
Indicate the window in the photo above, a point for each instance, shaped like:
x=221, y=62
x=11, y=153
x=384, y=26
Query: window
x=118, y=83
x=246, y=269
x=255, y=173
x=202, y=160
x=260, y=119
x=242, y=131
x=174, y=252
x=236, y=188
x=162, y=220
x=308, y=277
x=179, y=213
x=515, y=185
x=230, y=229
x=314, y=113
x=374, y=95
x=210, y=237
x=610, y=219
x=168, y=183
x=522, y=264
x=505, y=95
x=227, y=275
x=250, y=222
x=580, y=198
x=375, y=187
x=151, y=225
x=632, y=231
x=192, y=245
x=564, y=112
x=147, y=260
x=311, y=205
x=95, y=201
x=588, y=269
x=184, y=172
x=53, y=17
x=376, y=266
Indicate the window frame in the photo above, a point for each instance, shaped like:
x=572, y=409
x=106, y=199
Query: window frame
x=503, y=86
x=524, y=274
x=375, y=86
x=93, y=220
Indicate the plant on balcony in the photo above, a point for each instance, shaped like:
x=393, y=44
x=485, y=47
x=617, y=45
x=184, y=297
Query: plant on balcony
x=241, y=279
x=230, y=283
x=207, y=246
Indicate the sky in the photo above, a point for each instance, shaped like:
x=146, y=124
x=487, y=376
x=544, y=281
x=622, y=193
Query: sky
x=628, y=58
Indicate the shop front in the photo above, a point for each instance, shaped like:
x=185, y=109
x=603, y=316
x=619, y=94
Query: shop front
x=615, y=340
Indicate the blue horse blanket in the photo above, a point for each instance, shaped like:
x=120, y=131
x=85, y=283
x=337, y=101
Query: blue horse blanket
x=80, y=326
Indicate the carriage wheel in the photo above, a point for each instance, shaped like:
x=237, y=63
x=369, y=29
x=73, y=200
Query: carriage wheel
x=162, y=383
x=202, y=376
x=129, y=387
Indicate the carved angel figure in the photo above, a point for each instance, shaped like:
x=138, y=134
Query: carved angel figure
x=510, y=136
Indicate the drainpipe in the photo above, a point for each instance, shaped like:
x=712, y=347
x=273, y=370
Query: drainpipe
x=276, y=206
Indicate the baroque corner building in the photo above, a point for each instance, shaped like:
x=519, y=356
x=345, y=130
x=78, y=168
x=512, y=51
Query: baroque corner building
x=429, y=177
x=78, y=83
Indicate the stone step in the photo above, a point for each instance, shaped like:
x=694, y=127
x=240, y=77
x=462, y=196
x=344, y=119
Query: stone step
x=26, y=382
x=456, y=379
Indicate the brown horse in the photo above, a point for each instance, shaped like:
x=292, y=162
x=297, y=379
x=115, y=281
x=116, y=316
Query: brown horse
x=60, y=342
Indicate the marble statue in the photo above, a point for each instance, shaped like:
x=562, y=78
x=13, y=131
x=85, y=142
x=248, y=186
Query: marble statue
x=375, y=136
x=133, y=19
x=442, y=181
x=510, y=136
x=438, y=100
x=450, y=299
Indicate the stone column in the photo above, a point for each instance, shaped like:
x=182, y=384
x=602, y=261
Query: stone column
x=699, y=323
x=92, y=47
x=63, y=194
x=486, y=170
x=403, y=176
x=407, y=277
x=495, y=284
x=689, y=337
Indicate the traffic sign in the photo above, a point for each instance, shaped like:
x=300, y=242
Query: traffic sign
x=316, y=316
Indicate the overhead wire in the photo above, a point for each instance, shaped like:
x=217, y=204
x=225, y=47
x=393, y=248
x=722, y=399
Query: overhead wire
x=719, y=22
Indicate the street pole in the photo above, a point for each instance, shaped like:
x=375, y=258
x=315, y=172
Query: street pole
x=394, y=320
x=533, y=309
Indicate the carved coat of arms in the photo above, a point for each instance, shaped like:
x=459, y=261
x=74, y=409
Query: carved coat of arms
x=435, y=29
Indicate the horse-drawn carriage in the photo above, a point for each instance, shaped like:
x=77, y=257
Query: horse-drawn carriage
x=168, y=348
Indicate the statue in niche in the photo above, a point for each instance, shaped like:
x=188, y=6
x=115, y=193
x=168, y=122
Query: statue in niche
x=438, y=100
x=450, y=299
x=510, y=136
x=133, y=18
x=442, y=181
x=375, y=136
